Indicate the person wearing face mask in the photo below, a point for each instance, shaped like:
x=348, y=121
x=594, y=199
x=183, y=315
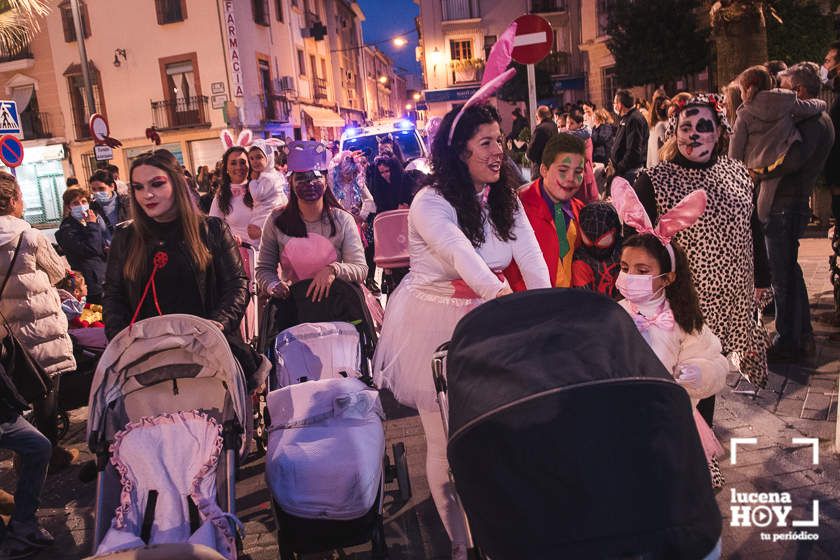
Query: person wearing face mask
x=659, y=295
x=553, y=210
x=84, y=238
x=463, y=231
x=107, y=203
x=725, y=248
x=312, y=237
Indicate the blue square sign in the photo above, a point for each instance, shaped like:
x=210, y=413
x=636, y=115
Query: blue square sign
x=9, y=121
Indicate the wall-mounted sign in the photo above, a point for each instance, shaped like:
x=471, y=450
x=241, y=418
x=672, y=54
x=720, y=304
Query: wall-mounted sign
x=218, y=101
x=103, y=153
x=217, y=87
x=233, y=51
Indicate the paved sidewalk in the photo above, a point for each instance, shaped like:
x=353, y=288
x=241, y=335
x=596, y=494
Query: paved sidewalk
x=799, y=402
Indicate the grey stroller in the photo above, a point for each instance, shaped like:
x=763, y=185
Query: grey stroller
x=167, y=408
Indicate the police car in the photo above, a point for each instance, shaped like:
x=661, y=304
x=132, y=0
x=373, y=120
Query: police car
x=366, y=139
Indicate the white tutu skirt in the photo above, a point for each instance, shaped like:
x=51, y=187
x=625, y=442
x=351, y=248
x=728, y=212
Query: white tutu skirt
x=415, y=325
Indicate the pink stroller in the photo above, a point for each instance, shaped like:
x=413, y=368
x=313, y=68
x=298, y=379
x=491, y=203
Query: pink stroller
x=390, y=241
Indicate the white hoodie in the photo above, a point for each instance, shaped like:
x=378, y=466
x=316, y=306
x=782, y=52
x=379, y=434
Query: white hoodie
x=29, y=302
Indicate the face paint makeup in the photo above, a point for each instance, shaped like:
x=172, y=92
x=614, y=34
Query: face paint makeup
x=697, y=134
x=310, y=190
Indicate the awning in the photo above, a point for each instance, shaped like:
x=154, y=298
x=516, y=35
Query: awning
x=324, y=117
x=76, y=68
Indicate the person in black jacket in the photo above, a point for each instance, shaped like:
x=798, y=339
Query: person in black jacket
x=192, y=260
x=112, y=207
x=831, y=77
x=546, y=130
x=23, y=536
x=84, y=238
x=629, y=149
x=603, y=133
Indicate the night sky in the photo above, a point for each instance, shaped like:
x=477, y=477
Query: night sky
x=386, y=18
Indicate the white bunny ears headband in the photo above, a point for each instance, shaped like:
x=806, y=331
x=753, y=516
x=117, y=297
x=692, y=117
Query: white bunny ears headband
x=682, y=216
x=243, y=140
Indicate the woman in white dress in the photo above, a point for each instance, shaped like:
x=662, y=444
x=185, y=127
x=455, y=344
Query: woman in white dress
x=464, y=230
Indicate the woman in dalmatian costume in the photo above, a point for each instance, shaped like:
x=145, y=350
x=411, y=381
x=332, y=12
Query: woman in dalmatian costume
x=725, y=247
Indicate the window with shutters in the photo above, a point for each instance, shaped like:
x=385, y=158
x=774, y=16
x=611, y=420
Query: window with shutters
x=278, y=8
x=301, y=63
x=170, y=11
x=260, y=8
x=67, y=20
x=79, y=102
x=460, y=49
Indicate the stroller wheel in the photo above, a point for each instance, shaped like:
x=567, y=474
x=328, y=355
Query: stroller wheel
x=62, y=421
x=401, y=465
x=379, y=551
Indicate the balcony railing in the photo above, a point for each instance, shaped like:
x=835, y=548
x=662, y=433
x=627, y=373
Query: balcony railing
x=180, y=113
x=320, y=88
x=458, y=9
x=547, y=6
x=23, y=54
x=275, y=108
x=311, y=18
x=35, y=125
x=556, y=64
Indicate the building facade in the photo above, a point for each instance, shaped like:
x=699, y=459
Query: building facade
x=456, y=36
x=27, y=78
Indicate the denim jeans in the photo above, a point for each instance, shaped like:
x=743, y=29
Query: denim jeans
x=793, y=313
x=34, y=451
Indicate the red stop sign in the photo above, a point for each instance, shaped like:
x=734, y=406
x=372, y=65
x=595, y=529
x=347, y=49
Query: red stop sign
x=533, y=39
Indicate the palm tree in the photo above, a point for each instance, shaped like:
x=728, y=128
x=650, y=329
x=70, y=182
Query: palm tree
x=740, y=35
x=19, y=23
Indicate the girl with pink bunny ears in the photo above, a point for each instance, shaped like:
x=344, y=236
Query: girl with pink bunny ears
x=659, y=295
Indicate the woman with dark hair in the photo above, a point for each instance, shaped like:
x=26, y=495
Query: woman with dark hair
x=202, y=274
x=312, y=236
x=234, y=203
x=725, y=248
x=658, y=122
x=464, y=229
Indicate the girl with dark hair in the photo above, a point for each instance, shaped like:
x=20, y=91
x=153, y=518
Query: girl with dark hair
x=190, y=261
x=234, y=203
x=312, y=237
x=656, y=283
x=658, y=122
x=464, y=230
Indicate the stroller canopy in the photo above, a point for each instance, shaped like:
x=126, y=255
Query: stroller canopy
x=164, y=364
x=569, y=439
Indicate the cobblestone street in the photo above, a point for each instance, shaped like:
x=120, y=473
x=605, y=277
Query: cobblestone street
x=800, y=402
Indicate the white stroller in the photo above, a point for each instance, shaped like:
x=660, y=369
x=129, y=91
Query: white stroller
x=167, y=407
x=326, y=443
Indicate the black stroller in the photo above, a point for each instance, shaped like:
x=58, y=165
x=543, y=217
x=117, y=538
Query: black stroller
x=299, y=334
x=567, y=436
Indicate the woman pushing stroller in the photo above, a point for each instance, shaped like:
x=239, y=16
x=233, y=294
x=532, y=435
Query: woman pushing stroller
x=463, y=230
x=173, y=259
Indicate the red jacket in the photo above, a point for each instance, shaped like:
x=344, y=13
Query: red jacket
x=542, y=221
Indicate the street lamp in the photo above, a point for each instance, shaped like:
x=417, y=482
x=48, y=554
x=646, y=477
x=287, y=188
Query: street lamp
x=383, y=79
x=400, y=42
x=436, y=57
x=416, y=97
x=408, y=106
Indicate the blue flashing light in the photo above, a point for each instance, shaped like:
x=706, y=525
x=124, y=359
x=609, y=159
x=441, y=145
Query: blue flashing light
x=350, y=133
x=404, y=124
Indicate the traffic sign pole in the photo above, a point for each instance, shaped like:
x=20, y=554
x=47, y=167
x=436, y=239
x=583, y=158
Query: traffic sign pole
x=532, y=95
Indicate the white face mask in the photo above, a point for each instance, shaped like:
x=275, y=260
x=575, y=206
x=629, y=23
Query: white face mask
x=697, y=134
x=638, y=288
x=824, y=74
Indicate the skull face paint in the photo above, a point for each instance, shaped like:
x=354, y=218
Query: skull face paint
x=697, y=134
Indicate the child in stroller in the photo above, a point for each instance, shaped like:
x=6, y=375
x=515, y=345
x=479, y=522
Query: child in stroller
x=167, y=409
x=324, y=464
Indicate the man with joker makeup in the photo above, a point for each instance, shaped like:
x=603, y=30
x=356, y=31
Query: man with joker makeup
x=725, y=247
x=553, y=210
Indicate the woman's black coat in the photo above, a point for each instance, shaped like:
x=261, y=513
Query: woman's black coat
x=223, y=286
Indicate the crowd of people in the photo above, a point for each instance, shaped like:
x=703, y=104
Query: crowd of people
x=688, y=209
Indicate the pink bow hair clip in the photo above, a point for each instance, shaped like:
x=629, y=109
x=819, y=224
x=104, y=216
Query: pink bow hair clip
x=682, y=216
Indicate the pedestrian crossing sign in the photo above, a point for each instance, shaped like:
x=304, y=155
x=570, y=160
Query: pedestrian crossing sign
x=9, y=120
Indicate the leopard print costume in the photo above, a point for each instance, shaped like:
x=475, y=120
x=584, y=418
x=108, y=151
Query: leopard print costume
x=720, y=254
